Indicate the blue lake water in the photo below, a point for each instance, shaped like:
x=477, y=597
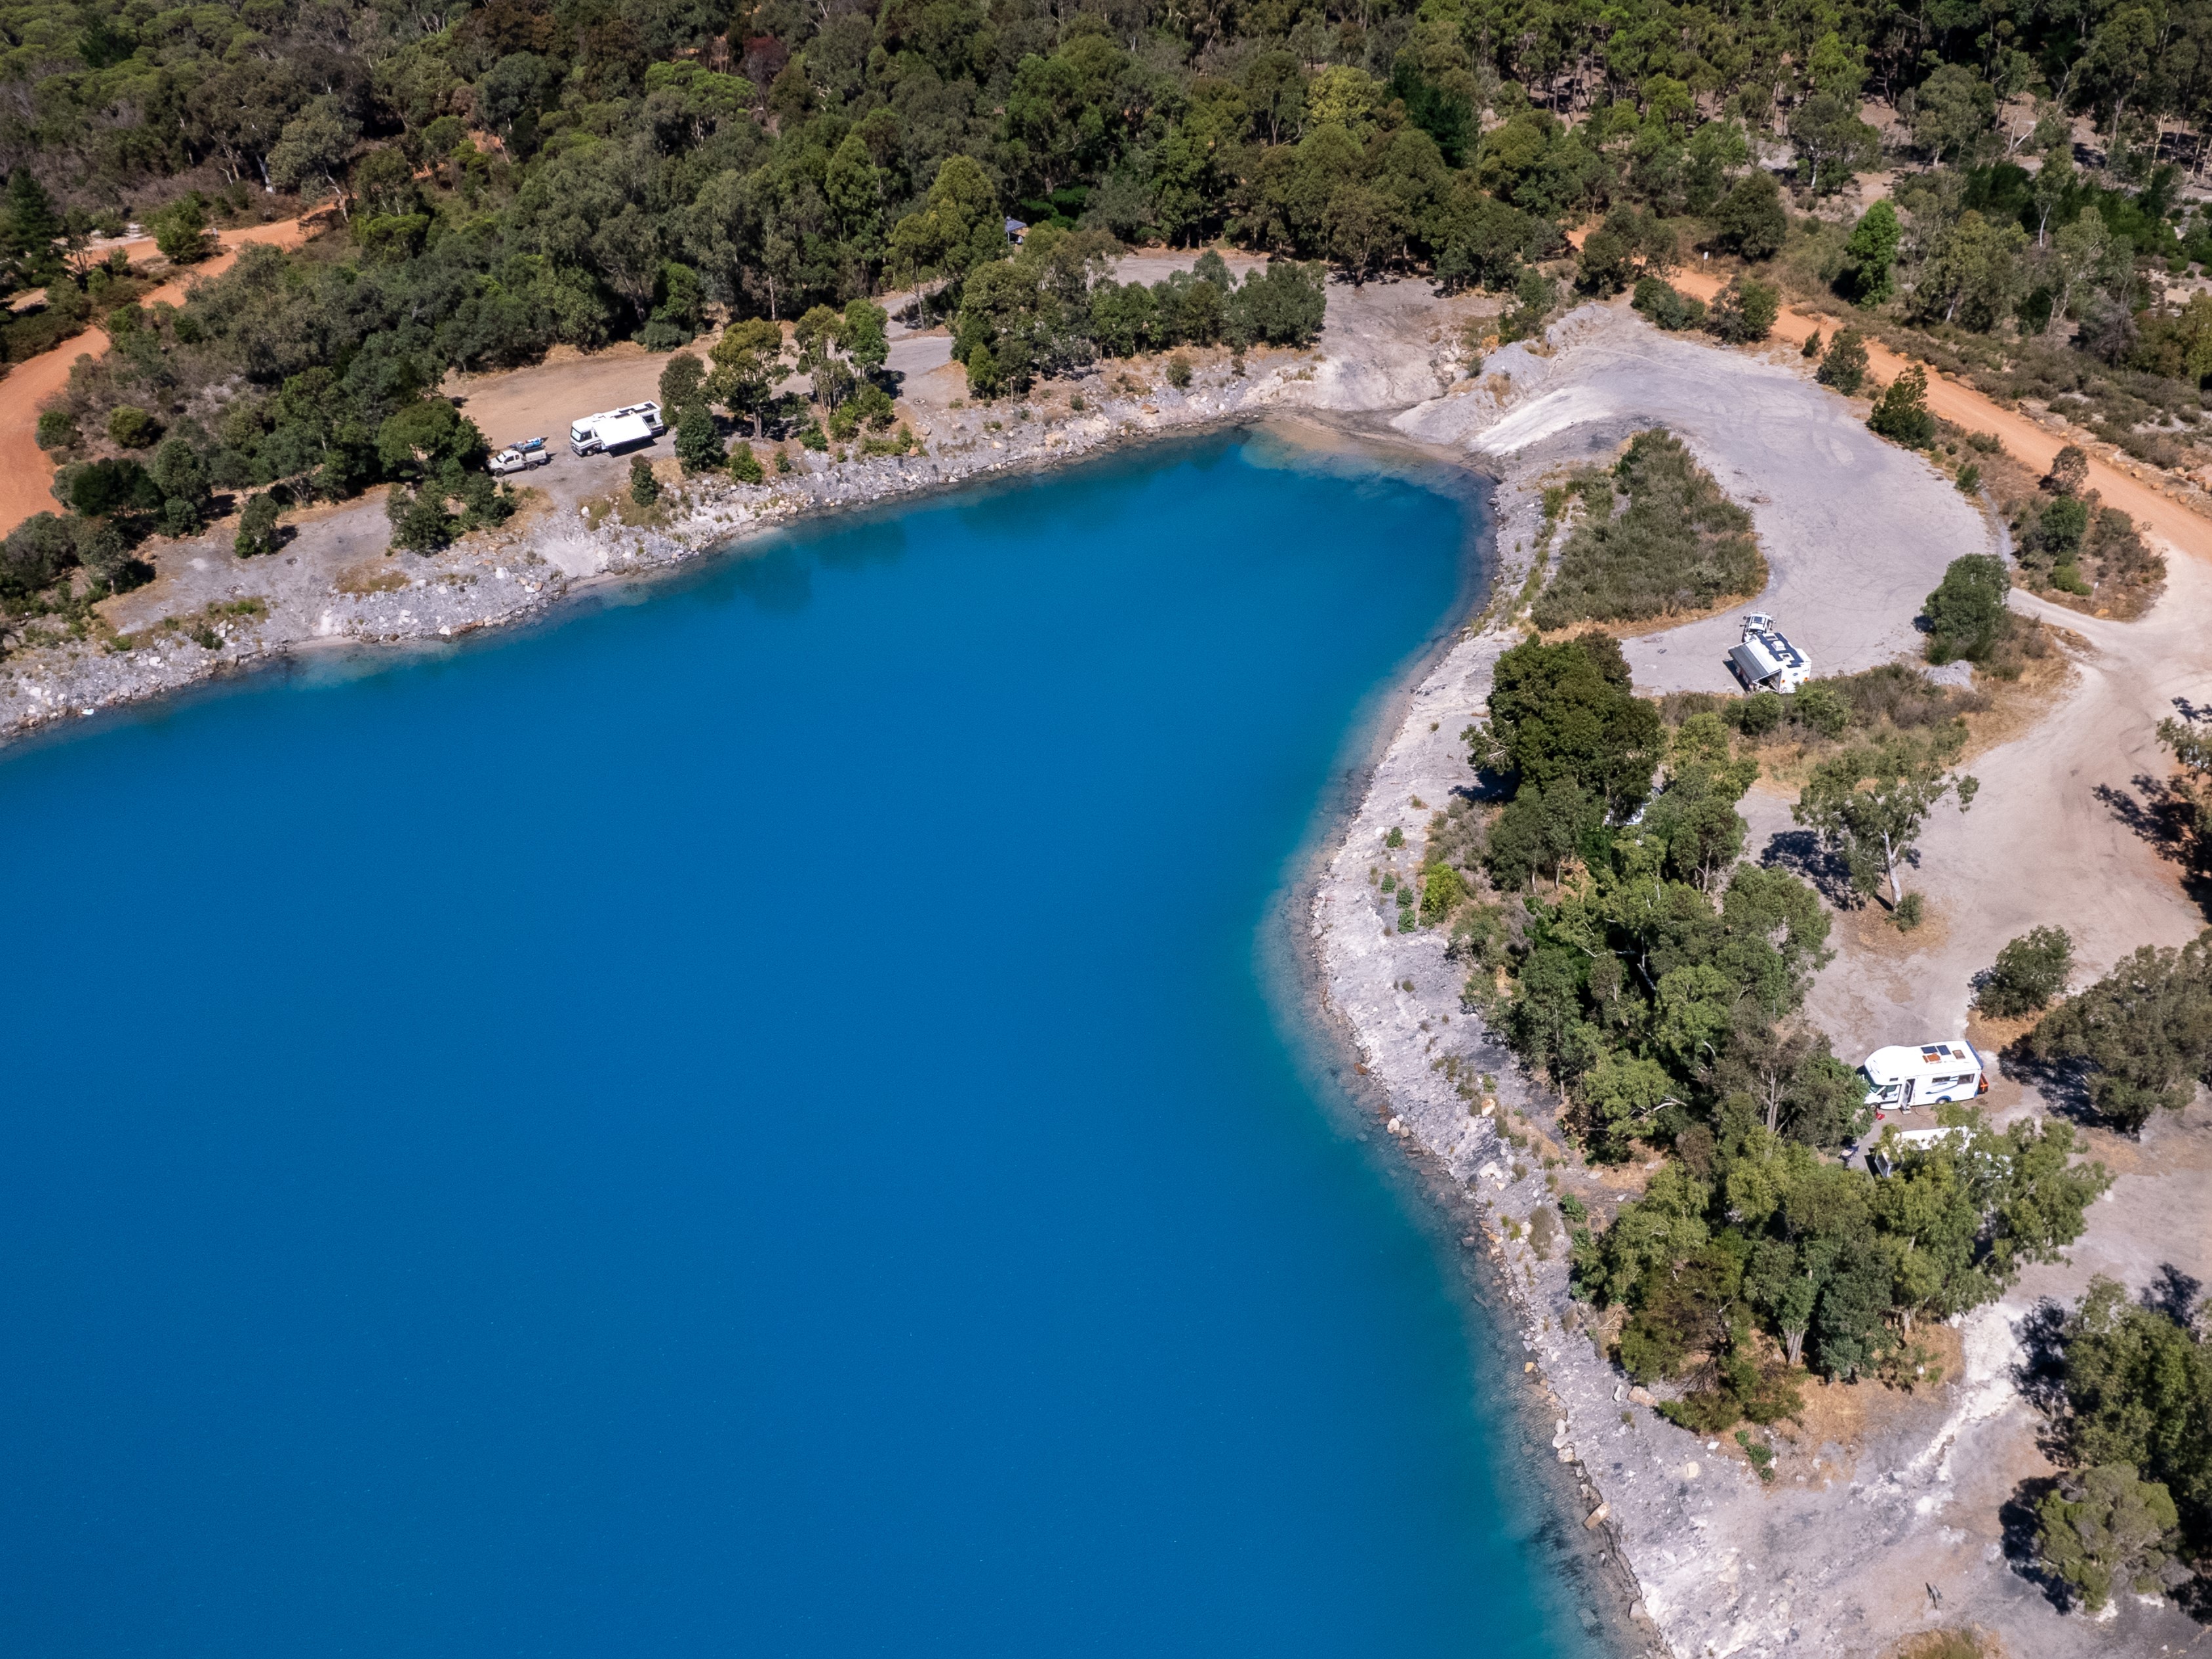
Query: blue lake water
x=767, y=1120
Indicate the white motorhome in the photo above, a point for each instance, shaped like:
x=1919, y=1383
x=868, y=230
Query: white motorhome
x=1899, y=1079
x=615, y=429
x=1766, y=659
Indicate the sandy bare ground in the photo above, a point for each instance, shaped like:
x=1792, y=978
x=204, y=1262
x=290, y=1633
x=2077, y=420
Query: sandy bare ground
x=2137, y=491
x=1855, y=531
x=27, y=473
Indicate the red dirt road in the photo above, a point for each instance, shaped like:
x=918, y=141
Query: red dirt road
x=2158, y=513
x=26, y=473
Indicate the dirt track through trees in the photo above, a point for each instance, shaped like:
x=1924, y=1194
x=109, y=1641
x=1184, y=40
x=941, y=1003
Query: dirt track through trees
x=27, y=473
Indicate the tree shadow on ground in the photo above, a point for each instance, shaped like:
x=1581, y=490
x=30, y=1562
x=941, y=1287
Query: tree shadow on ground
x=2174, y=1294
x=2063, y=1084
x=2040, y=1375
x=2162, y=817
x=2018, y=1519
x=1800, y=853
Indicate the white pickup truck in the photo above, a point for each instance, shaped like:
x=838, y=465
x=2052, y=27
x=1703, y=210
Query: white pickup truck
x=520, y=458
x=615, y=429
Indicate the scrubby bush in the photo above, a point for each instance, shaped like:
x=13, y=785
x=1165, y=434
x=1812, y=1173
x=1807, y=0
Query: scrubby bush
x=644, y=488
x=1666, y=307
x=745, y=466
x=130, y=428
x=1966, y=615
x=180, y=231
x=1679, y=545
x=698, y=445
x=1761, y=713
x=1744, y=312
x=56, y=430
x=36, y=551
x=1900, y=413
x=1844, y=365
x=2027, y=974
x=257, y=527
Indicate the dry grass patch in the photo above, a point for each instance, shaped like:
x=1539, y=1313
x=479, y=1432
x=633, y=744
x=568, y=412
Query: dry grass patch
x=371, y=575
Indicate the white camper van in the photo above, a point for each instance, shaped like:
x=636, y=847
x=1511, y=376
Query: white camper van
x=1766, y=659
x=615, y=429
x=1899, y=1079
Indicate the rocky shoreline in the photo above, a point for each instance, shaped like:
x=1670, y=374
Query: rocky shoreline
x=257, y=615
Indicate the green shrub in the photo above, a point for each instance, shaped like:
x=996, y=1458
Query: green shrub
x=2028, y=972
x=644, y=488
x=745, y=466
x=1178, y=371
x=131, y=428
x=1844, y=365
x=180, y=231
x=56, y=430
x=1819, y=707
x=1444, y=889
x=1679, y=544
x=698, y=445
x=1900, y=413
x=257, y=527
x=2104, y=1527
x=1911, y=911
x=1666, y=307
x=1966, y=615
x=1762, y=712
x=1744, y=312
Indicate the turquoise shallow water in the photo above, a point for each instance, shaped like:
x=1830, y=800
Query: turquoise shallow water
x=751, y=1121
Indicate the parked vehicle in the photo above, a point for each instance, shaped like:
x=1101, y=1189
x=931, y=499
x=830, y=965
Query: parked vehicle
x=615, y=429
x=1765, y=659
x=1899, y=1079
x=521, y=458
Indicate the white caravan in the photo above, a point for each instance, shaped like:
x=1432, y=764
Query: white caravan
x=1899, y=1079
x=615, y=429
x=1766, y=659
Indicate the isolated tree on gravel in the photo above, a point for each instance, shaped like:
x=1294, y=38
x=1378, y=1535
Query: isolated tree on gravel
x=748, y=365
x=1872, y=251
x=1900, y=413
x=257, y=527
x=1967, y=614
x=2144, y=1030
x=1871, y=800
x=2104, y=1527
x=2028, y=972
x=680, y=381
x=1844, y=365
